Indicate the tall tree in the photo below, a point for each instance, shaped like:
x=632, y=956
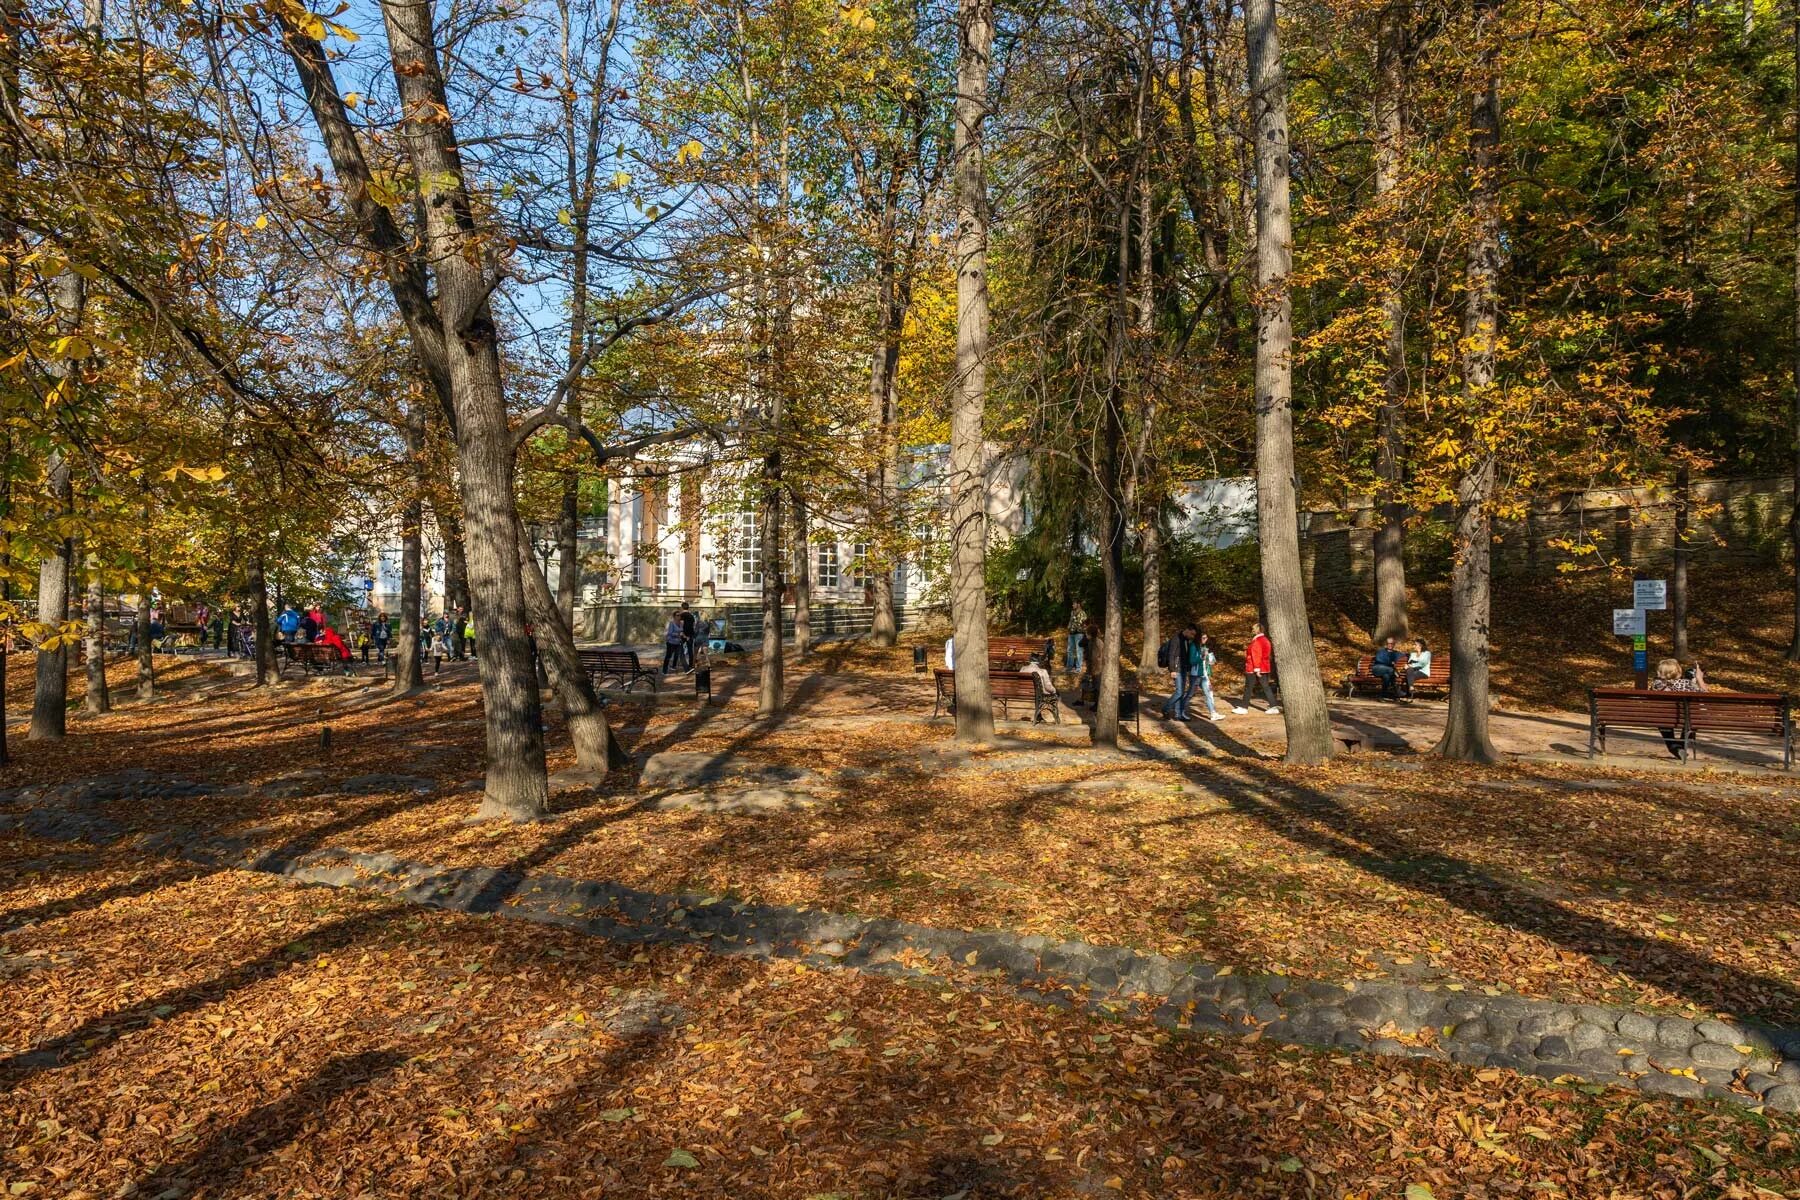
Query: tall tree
x=1304, y=710
x=968, y=451
x=1466, y=727
x=1391, y=35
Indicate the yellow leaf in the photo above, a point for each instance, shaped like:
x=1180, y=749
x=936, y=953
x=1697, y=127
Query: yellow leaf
x=563, y=217
x=262, y=220
x=621, y=180
x=312, y=26
x=352, y=98
x=690, y=149
x=349, y=35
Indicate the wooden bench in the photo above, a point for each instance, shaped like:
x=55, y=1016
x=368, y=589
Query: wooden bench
x=1006, y=688
x=1364, y=679
x=316, y=657
x=1010, y=653
x=620, y=666
x=1689, y=713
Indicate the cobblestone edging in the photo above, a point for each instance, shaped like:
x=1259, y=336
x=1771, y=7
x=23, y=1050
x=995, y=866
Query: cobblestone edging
x=1745, y=1063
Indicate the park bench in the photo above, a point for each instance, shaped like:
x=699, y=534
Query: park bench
x=1689, y=714
x=1364, y=679
x=313, y=656
x=620, y=666
x=1006, y=689
x=1006, y=653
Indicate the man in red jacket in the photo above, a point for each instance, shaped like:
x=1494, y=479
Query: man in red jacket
x=1258, y=662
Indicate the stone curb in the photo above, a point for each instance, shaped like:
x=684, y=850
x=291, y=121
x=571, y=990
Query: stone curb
x=1744, y=1063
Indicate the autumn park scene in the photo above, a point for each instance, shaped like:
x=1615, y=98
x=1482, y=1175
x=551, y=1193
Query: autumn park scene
x=924, y=599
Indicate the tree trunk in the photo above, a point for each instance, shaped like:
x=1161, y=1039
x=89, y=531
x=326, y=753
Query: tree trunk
x=409, y=664
x=1112, y=571
x=770, y=686
x=884, y=396
x=146, y=672
x=1390, y=138
x=968, y=456
x=1303, y=702
x=1151, y=540
x=1678, y=585
x=516, y=785
x=1794, y=521
x=258, y=581
x=456, y=565
x=596, y=749
x=1466, y=725
x=802, y=581
x=98, y=700
x=50, y=698
x=568, y=547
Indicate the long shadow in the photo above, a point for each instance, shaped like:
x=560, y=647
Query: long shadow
x=228, y=1154
x=68, y=906
x=100, y=1031
x=1311, y=818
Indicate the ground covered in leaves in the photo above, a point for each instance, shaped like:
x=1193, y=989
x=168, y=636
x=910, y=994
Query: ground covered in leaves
x=229, y=1035
x=172, y=1033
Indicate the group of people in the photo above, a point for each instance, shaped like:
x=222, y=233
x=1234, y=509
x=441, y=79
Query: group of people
x=1190, y=659
x=448, y=635
x=686, y=639
x=1400, y=670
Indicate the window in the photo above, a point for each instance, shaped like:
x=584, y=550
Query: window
x=859, y=565
x=825, y=575
x=749, y=547
x=662, y=569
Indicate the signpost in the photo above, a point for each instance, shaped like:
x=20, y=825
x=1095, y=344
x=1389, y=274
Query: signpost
x=1647, y=595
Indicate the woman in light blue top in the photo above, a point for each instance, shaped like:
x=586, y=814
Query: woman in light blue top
x=1418, y=665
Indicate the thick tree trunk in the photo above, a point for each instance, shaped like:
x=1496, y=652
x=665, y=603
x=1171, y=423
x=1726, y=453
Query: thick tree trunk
x=1390, y=139
x=50, y=698
x=409, y=664
x=568, y=550
x=1678, y=582
x=98, y=699
x=968, y=455
x=1303, y=703
x=596, y=749
x=516, y=785
x=802, y=581
x=258, y=581
x=1466, y=725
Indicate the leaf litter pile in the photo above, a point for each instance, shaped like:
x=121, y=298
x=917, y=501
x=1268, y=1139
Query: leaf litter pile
x=174, y=1032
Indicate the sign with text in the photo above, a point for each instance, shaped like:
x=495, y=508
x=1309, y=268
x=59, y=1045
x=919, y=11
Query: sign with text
x=1628, y=622
x=1650, y=594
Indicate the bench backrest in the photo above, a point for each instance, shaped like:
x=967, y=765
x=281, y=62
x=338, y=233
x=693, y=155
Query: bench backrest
x=610, y=659
x=1002, y=685
x=1016, y=649
x=1623, y=706
x=1746, y=712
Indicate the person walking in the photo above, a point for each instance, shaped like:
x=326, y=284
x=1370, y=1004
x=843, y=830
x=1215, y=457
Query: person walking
x=672, y=643
x=688, y=629
x=1258, y=660
x=1073, y=658
x=379, y=634
x=1172, y=655
x=459, y=632
x=1200, y=669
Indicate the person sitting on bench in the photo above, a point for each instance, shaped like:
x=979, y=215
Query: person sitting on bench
x=1036, y=667
x=1418, y=666
x=1671, y=678
x=1386, y=668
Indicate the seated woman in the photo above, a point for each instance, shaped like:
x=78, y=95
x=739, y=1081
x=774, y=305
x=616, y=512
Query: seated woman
x=1418, y=665
x=1671, y=678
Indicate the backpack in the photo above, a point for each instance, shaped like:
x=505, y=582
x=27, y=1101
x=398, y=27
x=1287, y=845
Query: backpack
x=1162, y=653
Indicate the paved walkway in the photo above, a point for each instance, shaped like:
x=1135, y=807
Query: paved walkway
x=1668, y=1055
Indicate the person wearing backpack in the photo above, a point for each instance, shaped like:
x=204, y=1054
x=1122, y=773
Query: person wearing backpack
x=1172, y=656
